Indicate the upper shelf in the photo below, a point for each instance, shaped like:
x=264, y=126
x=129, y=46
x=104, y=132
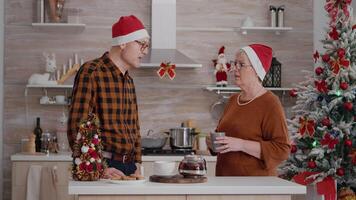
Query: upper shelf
x=277, y=30
x=233, y=89
x=50, y=86
x=54, y=27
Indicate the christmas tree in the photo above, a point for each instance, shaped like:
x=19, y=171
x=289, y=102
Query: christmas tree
x=88, y=164
x=323, y=127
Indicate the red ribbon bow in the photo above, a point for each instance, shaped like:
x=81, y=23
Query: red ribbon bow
x=167, y=68
x=329, y=140
x=335, y=64
x=306, y=125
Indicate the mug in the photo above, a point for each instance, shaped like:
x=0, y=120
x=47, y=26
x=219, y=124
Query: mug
x=60, y=99
x=213, y=136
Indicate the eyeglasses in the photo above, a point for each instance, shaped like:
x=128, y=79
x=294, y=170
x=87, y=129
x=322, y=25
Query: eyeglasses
x=241, y=65
x=144, y=45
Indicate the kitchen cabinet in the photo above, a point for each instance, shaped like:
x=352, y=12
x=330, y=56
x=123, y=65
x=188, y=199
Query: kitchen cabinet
x=62, y=162
x=19, y=178
x=253, y=188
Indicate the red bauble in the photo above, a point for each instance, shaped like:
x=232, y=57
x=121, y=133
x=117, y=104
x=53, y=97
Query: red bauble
x=341, y=52
x=293, y=93
x=354, y=27
x=293, y=149
x=340, y=171
x=348, y=106
x=344, y=85
x=312, y=164
x=326, y=122
x=319, y=71
x=325, y=58
x=348, y=143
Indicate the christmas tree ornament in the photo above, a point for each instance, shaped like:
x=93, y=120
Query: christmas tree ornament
x=333, y=34
x=326, y=122
x=320, y=98
x=293, y=149
x=293, y=93
x=167, y=69
x=325, y=58
x=344, y=85
x=316, y=56
x=312, y=164
x=348, y=143
x=329, y=141
x=348, y=106
x=340, y=171
x=319, y=71
x=341, y=52
x=221, y=68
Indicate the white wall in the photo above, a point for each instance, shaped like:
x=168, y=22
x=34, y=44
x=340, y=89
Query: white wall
x=320, y=22
x=2, y=27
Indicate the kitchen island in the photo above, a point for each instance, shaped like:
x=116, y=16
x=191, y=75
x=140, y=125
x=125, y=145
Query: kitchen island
x=251, y=188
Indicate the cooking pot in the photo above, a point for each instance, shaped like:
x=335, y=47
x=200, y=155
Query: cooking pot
x=181, y=137
x=155, y=141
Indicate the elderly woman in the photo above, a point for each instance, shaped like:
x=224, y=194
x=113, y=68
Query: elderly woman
x=256, y=135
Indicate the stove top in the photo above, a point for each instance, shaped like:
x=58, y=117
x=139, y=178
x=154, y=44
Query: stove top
x=171, y=152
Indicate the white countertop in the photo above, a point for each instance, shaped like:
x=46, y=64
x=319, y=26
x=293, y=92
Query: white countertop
x=67, y=157
x=215, y=185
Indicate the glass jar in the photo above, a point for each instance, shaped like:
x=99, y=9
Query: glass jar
x=192, y=166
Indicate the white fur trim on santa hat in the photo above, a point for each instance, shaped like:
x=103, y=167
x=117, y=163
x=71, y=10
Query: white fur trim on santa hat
x=255, y=61
x=137, y=35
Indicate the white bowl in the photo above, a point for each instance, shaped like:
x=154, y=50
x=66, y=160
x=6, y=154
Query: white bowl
x=165, y=168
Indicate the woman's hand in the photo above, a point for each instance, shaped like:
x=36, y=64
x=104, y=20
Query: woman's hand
x=112, y=172
x=229, y=144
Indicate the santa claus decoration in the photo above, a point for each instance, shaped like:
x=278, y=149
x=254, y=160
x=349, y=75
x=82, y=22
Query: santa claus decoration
x=221, y=68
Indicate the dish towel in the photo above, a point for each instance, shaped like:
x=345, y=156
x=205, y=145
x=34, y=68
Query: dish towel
x=33, y=182
x=48, y=183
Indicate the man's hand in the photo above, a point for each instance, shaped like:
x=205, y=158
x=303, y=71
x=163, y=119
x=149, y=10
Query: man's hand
x=138, y=169
x=112, y=172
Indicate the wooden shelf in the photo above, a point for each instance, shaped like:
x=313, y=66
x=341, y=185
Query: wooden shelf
x=54, y=27
x=50, y=86
x=233, y=89
x=45, y=87
x=277, y=30
x=55, y=104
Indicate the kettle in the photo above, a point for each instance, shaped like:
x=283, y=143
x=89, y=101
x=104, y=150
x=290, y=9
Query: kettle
x=192, y=166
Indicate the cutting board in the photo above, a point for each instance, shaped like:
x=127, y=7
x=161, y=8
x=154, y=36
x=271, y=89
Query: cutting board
x=178, y=179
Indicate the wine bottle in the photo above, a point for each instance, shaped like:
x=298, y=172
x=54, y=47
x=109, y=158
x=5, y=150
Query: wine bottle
x=38, y=132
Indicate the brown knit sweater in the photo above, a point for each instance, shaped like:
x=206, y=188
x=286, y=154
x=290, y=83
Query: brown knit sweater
x=261, y=120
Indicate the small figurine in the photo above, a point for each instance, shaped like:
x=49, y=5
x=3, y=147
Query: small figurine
x=221, y=68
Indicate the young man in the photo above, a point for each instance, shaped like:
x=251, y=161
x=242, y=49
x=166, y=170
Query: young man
x=104, y=87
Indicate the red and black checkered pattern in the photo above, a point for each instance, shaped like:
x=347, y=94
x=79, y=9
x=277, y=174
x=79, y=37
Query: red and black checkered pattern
x=101, y=88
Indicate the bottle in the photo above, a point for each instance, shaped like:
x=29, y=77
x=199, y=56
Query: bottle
x=38, y=133
x=280, y=16
x=273, y=13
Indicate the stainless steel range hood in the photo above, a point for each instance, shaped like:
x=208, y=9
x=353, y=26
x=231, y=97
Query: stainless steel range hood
x=163, y=33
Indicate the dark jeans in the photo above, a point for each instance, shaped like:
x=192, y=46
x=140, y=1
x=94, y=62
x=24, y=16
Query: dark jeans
x=126, y=168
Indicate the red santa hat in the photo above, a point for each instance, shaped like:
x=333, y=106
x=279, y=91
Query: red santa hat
x=128, y=29
x=260, y=57
x=221, y=50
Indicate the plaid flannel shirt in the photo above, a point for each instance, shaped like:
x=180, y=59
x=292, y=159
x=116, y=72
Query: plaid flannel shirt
x=101, y=88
